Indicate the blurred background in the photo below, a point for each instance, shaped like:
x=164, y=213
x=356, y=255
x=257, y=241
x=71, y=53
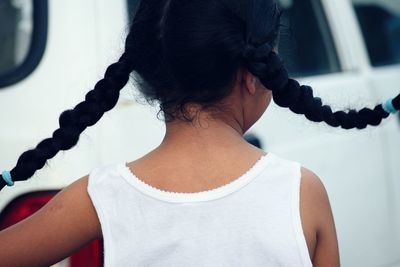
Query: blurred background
x=53, y=52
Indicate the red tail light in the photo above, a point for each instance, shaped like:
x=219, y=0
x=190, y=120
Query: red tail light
x=26, y=205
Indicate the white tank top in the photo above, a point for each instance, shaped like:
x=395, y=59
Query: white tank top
x=252, y=221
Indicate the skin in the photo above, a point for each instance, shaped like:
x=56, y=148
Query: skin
x=69, y=221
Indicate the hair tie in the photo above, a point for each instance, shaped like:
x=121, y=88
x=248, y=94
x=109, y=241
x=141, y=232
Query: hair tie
x=7, y=178
x=388, y=107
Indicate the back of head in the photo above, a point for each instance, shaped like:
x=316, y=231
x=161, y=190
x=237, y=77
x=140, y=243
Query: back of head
x=188, y=51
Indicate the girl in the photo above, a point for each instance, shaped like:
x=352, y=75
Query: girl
x=204, y=197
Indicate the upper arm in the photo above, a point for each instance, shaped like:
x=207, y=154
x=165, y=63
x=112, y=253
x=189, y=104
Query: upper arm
x=61, y=227
x=318, y=222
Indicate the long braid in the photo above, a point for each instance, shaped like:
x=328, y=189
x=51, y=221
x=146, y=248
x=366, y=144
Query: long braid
x=171, y=48
x=264, y=63
x=73, y=122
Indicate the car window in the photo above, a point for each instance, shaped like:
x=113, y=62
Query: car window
x=380, y=24
x=306, y=43
x=23, y=29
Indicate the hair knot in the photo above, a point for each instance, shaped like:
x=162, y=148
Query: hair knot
x=248, y=52
x=253, y=53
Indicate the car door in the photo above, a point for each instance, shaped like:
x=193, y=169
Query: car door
x=326, y=53
x=378, y=24
x=51, y=54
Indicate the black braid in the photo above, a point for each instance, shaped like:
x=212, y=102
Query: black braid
x=73, y=122
x=173, y=44
x=264, y=63
x=396, y=102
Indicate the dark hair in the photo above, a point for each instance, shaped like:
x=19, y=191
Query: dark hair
x=189, y=52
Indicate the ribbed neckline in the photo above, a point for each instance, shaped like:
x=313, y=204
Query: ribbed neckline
x=212, y=194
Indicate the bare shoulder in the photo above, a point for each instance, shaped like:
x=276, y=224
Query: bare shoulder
x=76, y=197
x=318, y=222
x=313, y=192
x=61, y=227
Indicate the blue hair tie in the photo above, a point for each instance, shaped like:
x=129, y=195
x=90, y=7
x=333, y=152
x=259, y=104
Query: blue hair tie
x=388, y=106
x=7, y=178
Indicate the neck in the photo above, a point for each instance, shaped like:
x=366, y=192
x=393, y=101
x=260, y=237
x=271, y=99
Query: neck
x=204, y=130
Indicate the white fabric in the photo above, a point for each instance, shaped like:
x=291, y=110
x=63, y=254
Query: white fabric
x=252, y=221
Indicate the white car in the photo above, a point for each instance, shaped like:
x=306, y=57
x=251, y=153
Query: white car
x=53, y=52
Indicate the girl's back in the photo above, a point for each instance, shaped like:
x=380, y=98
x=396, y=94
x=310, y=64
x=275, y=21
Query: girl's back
x=252, y=221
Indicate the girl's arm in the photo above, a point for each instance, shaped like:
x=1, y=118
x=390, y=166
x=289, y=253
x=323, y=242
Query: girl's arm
x=318, y=222
x=61, y=227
